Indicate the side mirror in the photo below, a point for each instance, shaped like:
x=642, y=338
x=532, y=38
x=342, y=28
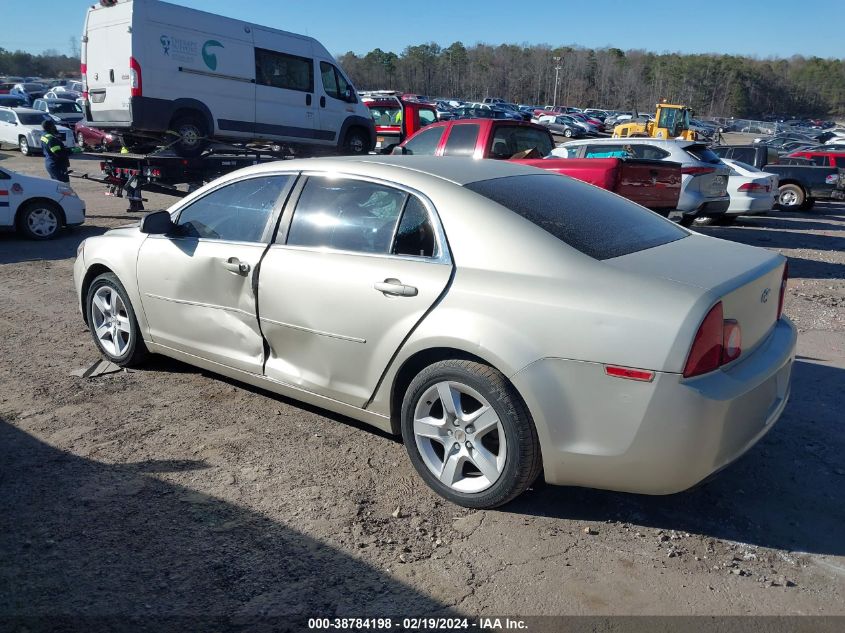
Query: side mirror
x=349, y=95
x=399, y=151
x=157, y=223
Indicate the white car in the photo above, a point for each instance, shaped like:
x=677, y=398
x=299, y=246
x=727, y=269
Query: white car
x=22, y=127
x=38, y=207
x=751, y=190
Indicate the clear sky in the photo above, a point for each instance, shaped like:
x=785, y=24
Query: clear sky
x=764, y=28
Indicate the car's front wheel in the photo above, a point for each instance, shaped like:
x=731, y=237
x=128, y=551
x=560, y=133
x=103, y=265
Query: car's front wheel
x=113, y=323
x=469, y=435
x=40, y=220
x=567, y=133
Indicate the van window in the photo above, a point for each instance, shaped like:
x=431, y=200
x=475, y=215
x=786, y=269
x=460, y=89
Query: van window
x=334, y=83
x=462, y=140
x=427, y=117
x=280, y=70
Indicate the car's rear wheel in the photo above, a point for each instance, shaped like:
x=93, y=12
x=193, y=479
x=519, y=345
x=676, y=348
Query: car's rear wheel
x=40, y=220
x=80, y=140
x=23, y=145
x=469, y=435
x=790, y=197
x=113, y=323
x=567, y=133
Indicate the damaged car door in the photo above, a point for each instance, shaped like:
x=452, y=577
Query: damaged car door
x=197, y=283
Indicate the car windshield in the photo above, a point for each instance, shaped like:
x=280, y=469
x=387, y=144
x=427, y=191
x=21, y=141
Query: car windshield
x=64, y=107
x=595, y=223
x=32, y=118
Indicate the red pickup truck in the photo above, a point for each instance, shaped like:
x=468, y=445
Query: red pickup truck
x=396, y=118
x=655, y=184
x=822, y=158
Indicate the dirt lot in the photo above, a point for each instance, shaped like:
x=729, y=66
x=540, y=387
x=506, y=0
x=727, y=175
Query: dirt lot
x=170, y=491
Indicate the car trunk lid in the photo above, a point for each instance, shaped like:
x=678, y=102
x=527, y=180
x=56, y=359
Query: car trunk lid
x=745, y=279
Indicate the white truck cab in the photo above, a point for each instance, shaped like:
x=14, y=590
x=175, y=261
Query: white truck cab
x=157, y=70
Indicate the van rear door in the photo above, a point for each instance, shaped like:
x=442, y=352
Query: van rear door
x=108, y=49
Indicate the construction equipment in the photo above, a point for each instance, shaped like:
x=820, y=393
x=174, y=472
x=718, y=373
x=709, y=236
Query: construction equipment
x=670, y=121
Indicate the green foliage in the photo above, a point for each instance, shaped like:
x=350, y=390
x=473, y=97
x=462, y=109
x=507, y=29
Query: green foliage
x=714, y=85
x=48, y=64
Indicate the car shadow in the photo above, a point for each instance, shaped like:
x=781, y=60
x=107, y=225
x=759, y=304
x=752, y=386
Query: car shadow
x=14, y=248
x=788, y=492
x=94, y=546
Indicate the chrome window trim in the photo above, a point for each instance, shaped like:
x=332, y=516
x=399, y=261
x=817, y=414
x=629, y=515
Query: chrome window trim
x=442, y=256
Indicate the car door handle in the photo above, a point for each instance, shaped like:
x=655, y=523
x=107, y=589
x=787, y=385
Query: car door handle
x=322, y=102
x=308, y=100
x=395, y=288
x=234, y=265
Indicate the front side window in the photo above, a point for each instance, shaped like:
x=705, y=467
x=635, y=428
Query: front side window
x=238, y=212
x=596, y=223
x=462, y=140
x=280, y=70
x=334, y=83
x=346, y=215
x=425, y=143
x=427, y=117
x=32, y=119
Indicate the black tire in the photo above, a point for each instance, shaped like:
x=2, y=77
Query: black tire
x=728, y=220
x=40, y=220
x=522, y=461
x=193, y=134
x=686, y=220
x=356, y=142
x=135, y=351
x=808, y=205
x=791, y=197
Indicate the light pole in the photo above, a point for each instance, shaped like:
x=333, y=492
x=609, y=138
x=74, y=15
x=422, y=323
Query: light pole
x=557, y=73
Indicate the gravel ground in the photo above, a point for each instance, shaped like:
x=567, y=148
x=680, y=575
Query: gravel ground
x=169, y=491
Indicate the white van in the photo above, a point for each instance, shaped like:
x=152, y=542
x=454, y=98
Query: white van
x=152, y=69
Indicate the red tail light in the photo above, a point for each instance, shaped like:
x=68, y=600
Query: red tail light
x=83, y=71
x=706, y=352
x=753, y=186
x=783, y=288
x=696, y=171
x=135, y=82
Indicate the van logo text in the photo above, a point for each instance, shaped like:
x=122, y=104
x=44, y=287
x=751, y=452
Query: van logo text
x=765, y=296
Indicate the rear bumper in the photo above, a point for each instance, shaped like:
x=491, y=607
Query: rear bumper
x=660, y=437
x=748, y=206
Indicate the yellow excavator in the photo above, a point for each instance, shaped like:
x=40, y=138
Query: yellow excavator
x=670, y=121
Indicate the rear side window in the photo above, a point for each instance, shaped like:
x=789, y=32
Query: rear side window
x=347, y=215
x=415, y=235
x=462, y=140
x=702, y=152
x=745, y=154
x=596, y=223
x=425, y=143
x=280, y=70
x=513, y=141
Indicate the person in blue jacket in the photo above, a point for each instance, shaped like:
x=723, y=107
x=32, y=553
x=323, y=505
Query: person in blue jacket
x=56, y=155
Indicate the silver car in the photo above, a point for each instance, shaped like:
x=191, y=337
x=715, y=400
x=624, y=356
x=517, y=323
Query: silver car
x=504, y=320
x=704, y=177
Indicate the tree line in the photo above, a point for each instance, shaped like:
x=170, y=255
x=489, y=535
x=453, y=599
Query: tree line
x=714, y=85
x=51, y=63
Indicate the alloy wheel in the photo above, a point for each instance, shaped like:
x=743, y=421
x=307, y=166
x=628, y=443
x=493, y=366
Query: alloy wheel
x=111, y=321
x=459, y=437
x=788, y=198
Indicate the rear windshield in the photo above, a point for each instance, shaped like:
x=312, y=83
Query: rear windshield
x=597, y=223
x=386, y=115
x=64, y=108
x=702, y=153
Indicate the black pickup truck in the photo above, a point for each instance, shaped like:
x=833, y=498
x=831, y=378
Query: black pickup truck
x=800, y=182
